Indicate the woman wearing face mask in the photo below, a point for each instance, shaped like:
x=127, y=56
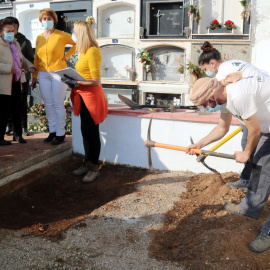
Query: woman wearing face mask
x=210, y=61
x=50, y=57
x=88, y=98
x=11, y=63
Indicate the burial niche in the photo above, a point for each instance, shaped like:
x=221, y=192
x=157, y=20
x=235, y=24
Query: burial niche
x=165, y=19
x=166, y=62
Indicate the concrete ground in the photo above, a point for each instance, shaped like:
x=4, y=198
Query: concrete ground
x=22, y=163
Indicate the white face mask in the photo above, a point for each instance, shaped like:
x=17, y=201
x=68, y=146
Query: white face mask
x=211, y=74
x=74, y=38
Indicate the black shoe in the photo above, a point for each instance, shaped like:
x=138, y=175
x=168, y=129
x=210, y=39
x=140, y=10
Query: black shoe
x=9, y=129
x=25, y=132
x=58, y=140
x=20, y=139
x=50, y=137
x=4, y=143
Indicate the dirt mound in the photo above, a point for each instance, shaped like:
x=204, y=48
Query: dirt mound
x=200, y=233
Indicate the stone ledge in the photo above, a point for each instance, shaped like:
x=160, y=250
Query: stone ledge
x=34, y=171
x=33, y=160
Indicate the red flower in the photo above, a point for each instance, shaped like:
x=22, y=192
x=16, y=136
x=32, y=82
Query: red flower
x=215, y=22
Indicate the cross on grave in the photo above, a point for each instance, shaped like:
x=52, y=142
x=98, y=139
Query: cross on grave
x=158, y=15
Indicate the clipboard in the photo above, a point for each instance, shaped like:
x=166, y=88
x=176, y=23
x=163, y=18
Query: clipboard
x=72, y=73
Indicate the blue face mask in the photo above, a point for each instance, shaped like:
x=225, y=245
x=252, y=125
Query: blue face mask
x=8, y=37
x=217, y=108
x=211, y=74
x=48, y=25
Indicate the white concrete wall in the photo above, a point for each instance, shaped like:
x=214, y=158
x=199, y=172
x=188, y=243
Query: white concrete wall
x=260, y=38
x=123, y=139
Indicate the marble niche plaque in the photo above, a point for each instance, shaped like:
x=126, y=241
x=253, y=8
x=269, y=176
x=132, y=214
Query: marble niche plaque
x=117, y=22
x=166, y=61
x=165, y=19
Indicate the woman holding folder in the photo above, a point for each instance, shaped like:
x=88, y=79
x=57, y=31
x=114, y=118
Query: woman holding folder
x=50, y=57
x=88, y=98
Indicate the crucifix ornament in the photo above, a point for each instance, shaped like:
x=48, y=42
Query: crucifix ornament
x=158, y=15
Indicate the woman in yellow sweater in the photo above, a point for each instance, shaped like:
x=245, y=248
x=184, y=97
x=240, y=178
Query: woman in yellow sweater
x=49, y=57
x=88, y=98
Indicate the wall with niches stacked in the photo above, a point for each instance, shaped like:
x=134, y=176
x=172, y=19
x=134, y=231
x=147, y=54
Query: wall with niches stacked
x=117, y=27
x=260, y=37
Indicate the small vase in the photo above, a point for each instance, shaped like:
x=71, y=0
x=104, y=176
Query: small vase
x=182, y=78
x=149, y=76
x=194, y=79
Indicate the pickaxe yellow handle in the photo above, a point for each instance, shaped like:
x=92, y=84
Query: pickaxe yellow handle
x=202, y=157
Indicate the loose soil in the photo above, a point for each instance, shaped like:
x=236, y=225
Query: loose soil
x=196, y=232
x=200, y=233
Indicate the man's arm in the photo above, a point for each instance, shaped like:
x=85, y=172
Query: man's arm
x=216, y=134
x=254, y=133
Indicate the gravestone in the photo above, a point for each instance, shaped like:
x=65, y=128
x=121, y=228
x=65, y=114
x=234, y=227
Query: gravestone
x=166, y=19
x=166, y=61
x=116, y=58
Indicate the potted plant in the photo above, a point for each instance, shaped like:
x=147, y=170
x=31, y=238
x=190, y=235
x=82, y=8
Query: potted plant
x=193, y=12
x=196, y=71
x=215, y=25
x=229, y=25
x=128, y=70
x=106, y=68
x=181, y=70
x=145, y=59
x=246, y=9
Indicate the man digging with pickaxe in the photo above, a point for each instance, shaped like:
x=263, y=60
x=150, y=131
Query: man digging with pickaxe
x=248, y=99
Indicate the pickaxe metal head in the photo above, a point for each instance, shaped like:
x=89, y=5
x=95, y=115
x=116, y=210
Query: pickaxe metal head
x=202, y=159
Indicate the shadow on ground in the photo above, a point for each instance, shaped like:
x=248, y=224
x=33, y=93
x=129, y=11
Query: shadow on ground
x=56, y=201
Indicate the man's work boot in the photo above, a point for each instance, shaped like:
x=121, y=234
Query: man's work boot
x=81, y=171
x=92, y=174
x=261, y=243
x=241, y=184
x=234, y=209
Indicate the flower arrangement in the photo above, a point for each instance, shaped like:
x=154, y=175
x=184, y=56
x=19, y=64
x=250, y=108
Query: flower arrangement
x=127, y=68
x=42, y=124
x=145, y=59
x=215, y=24
x=194, y=70
x=106, y=67
x=181, y=69
x=229, y=25
x=193, y=10
x=90, y=19
x=246, y=9
x=38, y=109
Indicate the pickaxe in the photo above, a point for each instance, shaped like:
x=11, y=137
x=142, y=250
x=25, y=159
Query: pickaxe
x=149, y=143
x=201, y=158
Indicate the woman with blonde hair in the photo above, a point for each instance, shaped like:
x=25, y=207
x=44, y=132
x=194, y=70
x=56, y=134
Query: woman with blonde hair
x=50, y=57
x=88, y=98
